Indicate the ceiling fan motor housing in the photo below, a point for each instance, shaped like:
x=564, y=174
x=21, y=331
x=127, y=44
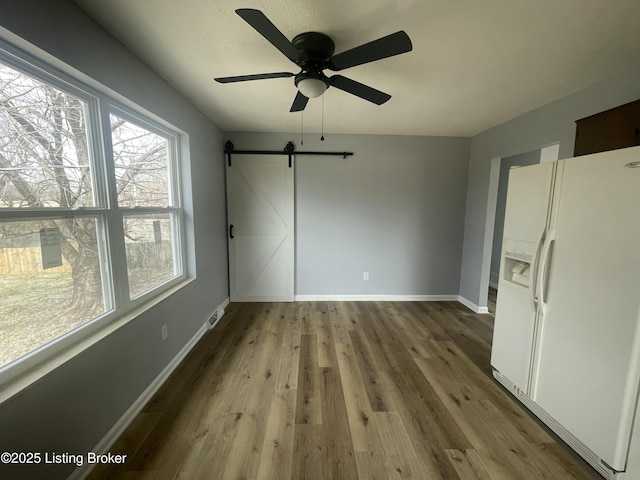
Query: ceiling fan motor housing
x=315, y=49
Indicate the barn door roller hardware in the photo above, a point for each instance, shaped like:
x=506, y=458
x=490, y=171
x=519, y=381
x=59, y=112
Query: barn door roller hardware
x=289, y=150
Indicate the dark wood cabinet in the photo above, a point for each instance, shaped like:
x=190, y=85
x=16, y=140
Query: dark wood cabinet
x=618, y=127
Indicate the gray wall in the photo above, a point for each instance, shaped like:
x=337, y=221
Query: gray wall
x=547, y=125
x=527, y=158
x=73, y=407
x=395, y=209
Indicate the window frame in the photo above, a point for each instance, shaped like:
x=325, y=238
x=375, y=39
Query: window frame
x=117, y=213
x=119, y=307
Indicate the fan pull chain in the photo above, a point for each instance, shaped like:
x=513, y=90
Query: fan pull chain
x=302, y=127
x=322, y=124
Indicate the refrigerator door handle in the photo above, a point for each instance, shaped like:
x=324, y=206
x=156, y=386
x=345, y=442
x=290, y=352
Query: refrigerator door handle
x=533, y=290
x=543, y=276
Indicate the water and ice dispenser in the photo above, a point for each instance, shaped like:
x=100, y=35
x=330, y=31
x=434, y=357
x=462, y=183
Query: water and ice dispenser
x=517, y=262
x=517, y=269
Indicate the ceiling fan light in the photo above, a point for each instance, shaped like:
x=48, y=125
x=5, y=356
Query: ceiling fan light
x=311, y=87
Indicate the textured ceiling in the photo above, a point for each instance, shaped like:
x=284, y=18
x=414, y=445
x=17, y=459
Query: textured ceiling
x=474, y=64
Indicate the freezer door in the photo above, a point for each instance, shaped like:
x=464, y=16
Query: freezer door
x=526, y=215
x=528, y=197
x=587, y=374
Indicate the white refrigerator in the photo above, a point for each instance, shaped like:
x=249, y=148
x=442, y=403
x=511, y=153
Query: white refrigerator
x=566, y=337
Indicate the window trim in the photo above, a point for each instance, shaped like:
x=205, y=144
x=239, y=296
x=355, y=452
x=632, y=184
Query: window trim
x=100, y=102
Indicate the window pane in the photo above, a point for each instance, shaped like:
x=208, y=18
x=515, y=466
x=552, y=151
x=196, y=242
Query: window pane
x=141, y=163
x=44, y=154
x=50, y=282
x=149, y=246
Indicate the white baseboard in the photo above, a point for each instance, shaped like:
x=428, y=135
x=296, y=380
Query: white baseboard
x=375, y=298
x=136, y=407
x=472, y=306
x=392, y=298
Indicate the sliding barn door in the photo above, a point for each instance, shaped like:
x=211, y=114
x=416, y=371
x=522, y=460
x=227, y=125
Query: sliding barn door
x=260, y=214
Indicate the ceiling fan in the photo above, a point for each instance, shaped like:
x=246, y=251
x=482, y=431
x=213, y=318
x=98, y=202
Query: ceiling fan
x=313, y=53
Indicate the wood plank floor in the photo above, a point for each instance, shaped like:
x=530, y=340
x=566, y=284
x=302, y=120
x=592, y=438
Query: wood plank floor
x=341, y=390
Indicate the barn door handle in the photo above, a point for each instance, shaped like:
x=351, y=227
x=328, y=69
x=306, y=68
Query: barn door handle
x=231, y=231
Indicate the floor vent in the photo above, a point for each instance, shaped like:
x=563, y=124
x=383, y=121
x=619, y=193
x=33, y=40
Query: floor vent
x=213, y=319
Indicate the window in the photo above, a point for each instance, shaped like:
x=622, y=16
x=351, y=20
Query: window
x=143, y=172
x=90, y=208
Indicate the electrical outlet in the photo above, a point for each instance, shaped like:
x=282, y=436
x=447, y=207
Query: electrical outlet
x=165, y=332
x=365, y=276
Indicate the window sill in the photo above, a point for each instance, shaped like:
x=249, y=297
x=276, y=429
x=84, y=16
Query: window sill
x=19, y=375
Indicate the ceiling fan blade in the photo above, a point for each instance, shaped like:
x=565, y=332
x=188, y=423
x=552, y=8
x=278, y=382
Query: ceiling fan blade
x=359, y=89
x=268, y=30
x=299, y=103
x=258, y=76
x=384, y=47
